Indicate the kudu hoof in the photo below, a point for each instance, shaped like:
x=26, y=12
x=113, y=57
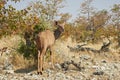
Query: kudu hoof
x=39, y=73
x=43, y=69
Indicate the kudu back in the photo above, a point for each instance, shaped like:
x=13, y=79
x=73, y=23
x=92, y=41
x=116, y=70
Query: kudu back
x=44, y=41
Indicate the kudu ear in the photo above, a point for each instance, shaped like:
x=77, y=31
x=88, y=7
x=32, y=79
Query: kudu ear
x=55, y=23
x=63, y=23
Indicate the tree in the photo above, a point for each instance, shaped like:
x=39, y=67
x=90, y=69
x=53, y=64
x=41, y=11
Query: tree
x=116, y=15
x=65, y=17
x=116, y=19
x=94, y=21
x=14, y=21
x=47, y=9
x=100, y=19
x=87, y=9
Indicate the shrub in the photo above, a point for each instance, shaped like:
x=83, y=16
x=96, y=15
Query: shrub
x=27, y=51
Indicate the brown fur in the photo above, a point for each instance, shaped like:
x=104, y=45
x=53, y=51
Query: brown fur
x=44, y=41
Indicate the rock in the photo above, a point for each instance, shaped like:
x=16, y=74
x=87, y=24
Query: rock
x=8, y=66
x=35, y=77
x=104, y=61
x=59, y=76
x=98, y=73
x=69, y=78
x=30, y=74
x=9, y=71
x=65, y=65
x=58, y=66
x=78, y=78
x=49, y=72
x=85, y=57
x=95, y=67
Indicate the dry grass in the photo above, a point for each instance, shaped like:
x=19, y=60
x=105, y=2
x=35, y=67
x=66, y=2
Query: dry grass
x=20, y=62
x=61, y=52
x=61, y=49
x=10, y=41
x=15, y=58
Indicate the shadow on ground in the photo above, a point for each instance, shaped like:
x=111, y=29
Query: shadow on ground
x=26, y=69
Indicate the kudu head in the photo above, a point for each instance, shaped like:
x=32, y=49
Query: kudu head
x=60, y=26
x=59, y=30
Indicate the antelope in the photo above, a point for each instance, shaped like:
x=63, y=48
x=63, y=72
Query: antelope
x=44, y=41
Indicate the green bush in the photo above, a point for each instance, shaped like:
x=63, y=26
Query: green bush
x=27, y=51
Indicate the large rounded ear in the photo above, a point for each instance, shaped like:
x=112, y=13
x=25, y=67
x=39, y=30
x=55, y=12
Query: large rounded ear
x=56, y=23
x=63, y=23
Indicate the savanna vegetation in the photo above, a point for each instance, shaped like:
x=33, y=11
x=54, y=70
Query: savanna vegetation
x=90, y=25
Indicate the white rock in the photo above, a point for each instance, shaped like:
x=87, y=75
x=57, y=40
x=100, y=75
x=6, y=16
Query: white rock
x=58, y=66
x=9, y=71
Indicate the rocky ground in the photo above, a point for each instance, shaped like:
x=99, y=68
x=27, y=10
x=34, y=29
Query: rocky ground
x=74, y=66
x=90, y=69
x=102, y=70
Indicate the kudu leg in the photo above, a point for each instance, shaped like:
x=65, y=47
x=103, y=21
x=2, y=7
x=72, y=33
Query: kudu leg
x=52, y=58
x=40, y=63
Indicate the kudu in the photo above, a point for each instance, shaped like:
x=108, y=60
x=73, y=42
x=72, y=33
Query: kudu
x=44, y=41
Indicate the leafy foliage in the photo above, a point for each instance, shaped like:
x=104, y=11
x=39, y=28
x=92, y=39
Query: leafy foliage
x=27, y=51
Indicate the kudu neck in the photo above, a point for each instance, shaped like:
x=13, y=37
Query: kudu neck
x=57, y=33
